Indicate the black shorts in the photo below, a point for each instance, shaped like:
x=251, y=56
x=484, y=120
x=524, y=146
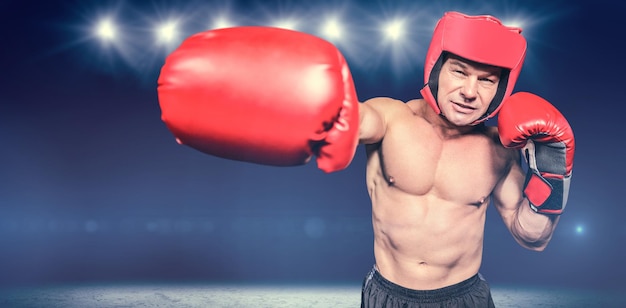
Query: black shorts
x=379, y=292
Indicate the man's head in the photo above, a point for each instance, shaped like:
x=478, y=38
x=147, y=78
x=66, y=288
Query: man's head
x=466, y=89
x=482, y=41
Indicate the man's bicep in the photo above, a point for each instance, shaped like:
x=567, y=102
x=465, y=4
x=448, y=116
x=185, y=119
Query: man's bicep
x=372, y=120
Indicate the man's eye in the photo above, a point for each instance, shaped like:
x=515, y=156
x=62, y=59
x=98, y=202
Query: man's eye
x=487, y=80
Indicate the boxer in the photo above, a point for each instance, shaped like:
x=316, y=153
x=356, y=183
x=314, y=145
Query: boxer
x=280, y=97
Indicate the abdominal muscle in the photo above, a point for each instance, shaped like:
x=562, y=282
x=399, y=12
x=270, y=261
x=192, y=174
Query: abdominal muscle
x=425, y=245
x=422, y=241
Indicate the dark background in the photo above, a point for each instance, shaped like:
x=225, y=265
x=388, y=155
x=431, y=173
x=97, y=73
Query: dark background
x=93, y=187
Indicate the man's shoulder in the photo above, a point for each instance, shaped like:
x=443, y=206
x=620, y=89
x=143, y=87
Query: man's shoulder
x=393, y=107
x=417, y=106
x=491, y=132
x=384, y=101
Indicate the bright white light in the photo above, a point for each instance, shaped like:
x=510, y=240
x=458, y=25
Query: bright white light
x=515, y=23
x=394, y=30
x=222, y=22
x=402, y=32
x=332, y=29
x=106, y=30
x=286, y=24
x=167, y=32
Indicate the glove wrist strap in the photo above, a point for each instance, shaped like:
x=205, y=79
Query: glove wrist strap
x=547, y=192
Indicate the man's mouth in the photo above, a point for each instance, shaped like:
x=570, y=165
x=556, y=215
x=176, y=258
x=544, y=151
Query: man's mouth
x=463, y=108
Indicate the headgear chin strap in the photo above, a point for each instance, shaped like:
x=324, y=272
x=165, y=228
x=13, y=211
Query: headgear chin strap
x=483, y=39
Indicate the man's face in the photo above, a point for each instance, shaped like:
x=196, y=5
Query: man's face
x=466, y=89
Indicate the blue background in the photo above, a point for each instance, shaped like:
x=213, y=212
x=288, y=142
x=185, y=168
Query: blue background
x=93, y=187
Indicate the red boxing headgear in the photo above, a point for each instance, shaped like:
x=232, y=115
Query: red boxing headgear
x=483, y=39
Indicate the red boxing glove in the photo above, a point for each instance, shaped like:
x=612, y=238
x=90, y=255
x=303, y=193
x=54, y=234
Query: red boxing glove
x=262, y=95
x=529, y=122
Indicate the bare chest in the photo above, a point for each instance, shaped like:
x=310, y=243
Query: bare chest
x=415, y=161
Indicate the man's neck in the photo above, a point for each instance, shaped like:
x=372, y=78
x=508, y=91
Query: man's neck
x=446, y=129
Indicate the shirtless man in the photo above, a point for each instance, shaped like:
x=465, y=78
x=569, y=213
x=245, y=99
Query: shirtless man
x=433, y=166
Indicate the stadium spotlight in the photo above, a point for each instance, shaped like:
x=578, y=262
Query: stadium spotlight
x=514, y=23
x=332, y=29
x=106, y=30
x=221, y=22
x=394, y=30
x=167, y=32
x=286, y=24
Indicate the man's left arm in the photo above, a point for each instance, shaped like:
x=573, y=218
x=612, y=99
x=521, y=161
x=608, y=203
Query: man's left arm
x=530, y=123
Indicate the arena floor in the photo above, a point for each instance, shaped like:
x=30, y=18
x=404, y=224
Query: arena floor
x=211, y=295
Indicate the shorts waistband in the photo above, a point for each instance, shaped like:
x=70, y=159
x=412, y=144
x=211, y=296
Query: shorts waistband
x=435, y=295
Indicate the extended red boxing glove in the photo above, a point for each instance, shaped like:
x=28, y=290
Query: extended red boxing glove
x=262, y=95
x=529, y=122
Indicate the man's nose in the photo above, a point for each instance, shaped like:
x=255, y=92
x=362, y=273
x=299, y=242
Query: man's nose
x=469, y=89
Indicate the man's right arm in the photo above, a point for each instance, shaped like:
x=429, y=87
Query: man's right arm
x=373, y=118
